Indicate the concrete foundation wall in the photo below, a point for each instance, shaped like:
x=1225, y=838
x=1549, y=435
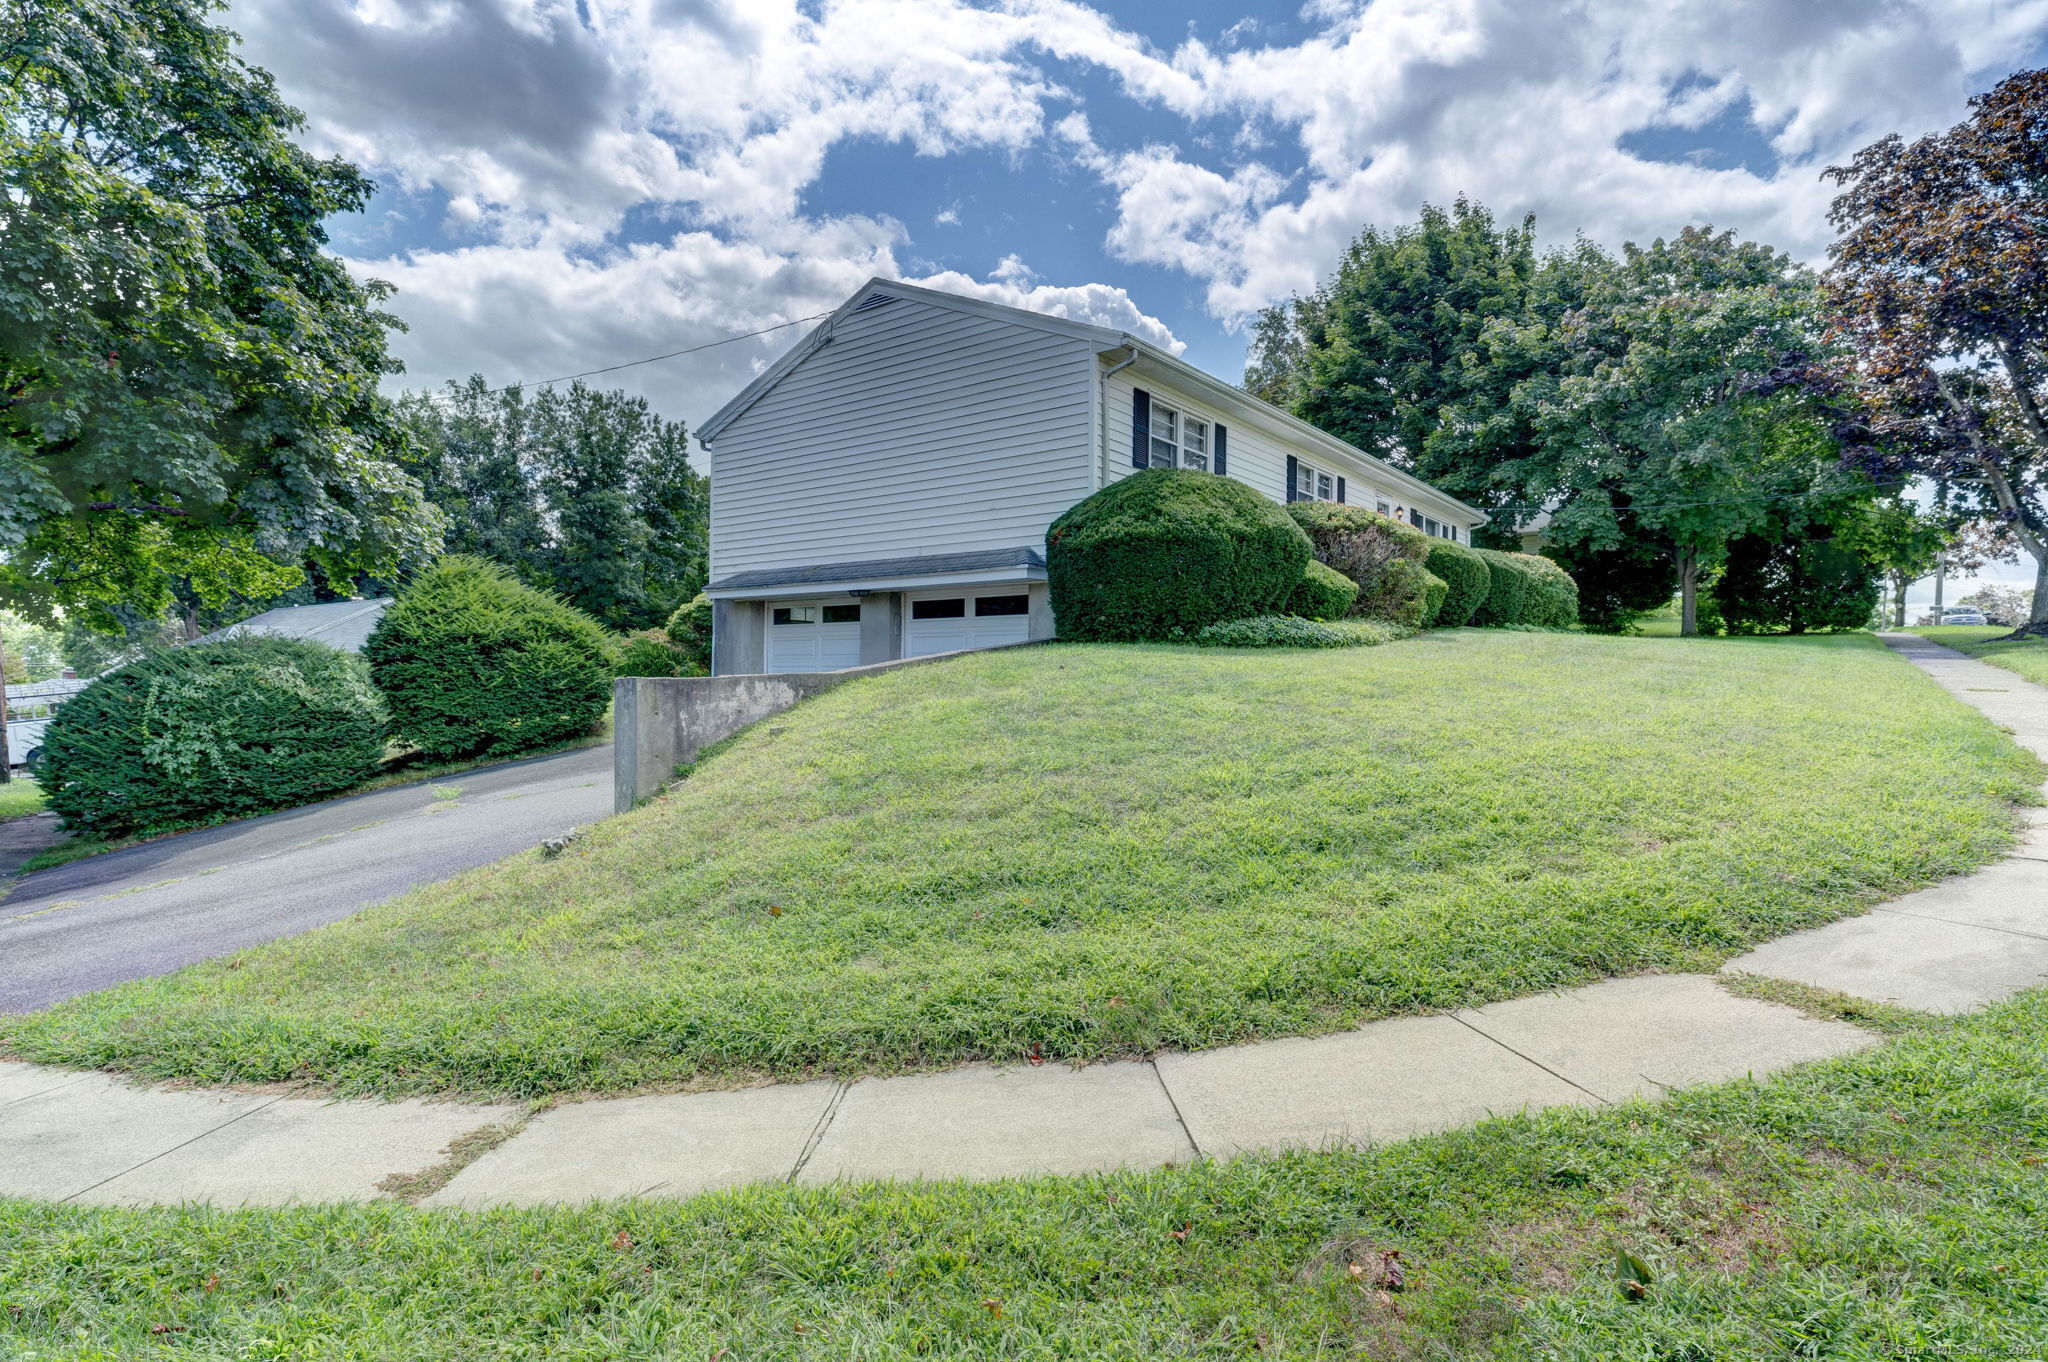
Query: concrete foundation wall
x=662, y=722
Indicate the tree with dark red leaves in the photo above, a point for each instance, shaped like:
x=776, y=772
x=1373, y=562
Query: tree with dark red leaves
x=1939, y=286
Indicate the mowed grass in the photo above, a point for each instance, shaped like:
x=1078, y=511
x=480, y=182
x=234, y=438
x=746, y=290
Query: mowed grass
x=1077, y=852
x=1885, y=1205
x=2027, y=656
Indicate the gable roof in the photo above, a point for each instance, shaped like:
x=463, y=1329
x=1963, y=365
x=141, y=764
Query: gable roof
x=338, y=624
x=1168, y=366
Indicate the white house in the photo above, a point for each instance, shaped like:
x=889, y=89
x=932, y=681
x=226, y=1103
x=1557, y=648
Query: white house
x=885, y=488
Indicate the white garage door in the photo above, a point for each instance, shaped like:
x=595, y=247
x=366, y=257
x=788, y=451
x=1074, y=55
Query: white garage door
x=967, y=619
x=813, y=636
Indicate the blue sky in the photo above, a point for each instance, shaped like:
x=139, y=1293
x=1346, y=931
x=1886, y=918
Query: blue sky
x=571, y=183
x=568, y=184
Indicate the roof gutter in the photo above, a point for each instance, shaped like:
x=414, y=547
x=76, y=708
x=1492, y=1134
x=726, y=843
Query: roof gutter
x=1101, y=475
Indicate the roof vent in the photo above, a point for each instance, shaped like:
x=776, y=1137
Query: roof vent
x=873, y=300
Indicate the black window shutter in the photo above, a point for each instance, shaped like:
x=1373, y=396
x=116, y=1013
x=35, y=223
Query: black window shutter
x=1222, y=449
x=1293, y=472
x=1141, y=428
x=1340, y=491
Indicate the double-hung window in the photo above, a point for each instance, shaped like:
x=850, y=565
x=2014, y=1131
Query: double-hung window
x=1313, y=484
x=1178, y=439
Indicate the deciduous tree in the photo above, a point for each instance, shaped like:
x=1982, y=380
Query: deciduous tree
x=1939, y=285
x=188, y=379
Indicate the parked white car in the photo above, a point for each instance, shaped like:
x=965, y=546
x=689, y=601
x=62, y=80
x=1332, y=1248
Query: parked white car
x=1963, y=616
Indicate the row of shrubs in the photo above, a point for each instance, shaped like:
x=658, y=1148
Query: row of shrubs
x=1170, y=554
x=468, y=662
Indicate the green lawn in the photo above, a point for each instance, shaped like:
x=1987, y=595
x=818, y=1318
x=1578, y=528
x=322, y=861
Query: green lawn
x=20, y=797
x=1087, y=851
x=2028, y=657
x=1883, y=1206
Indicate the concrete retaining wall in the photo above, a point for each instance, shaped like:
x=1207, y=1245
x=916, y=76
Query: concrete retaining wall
x=662, y=722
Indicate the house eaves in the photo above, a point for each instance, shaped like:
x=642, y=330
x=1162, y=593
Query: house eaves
x=1171, y=369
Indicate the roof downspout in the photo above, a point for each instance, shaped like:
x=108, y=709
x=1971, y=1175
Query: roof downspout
x=1101, y=477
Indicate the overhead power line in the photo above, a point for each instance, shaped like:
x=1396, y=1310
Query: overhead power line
x=1730, y=501
x=655, y=359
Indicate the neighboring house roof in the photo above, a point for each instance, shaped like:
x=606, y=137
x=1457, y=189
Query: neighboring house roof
x=922, y=565
x=338, y=624
x=1150, y=357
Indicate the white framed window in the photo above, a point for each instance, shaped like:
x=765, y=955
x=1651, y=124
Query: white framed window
x=1178, y=439
x=1312, y=483
x=1384, y=507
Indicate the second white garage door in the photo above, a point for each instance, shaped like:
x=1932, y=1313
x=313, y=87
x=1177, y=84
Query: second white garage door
x=813, y=636
x=942, y=623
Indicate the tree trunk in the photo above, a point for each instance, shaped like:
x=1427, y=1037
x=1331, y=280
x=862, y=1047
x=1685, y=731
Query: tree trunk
x=1900, y=584
x=1688, y=593
x=2037, y=618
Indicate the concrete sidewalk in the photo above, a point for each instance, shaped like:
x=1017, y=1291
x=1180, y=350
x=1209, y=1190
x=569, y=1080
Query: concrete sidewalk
x=87, y=1137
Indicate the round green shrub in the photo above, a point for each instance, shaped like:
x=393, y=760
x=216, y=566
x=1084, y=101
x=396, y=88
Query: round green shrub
x=1465, y=580
x=1507, y=586
x=1165, y=552
x=473, y=661
x=1553, y=597
x=648, y=652
x=1323, y=593
x=689, y=630
x=1526, y=588
x=212, y=730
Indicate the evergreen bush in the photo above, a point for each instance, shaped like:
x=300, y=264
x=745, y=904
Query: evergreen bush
x=648, y=652
x=1323, y=593
x=1465, y=580
x=473, y=662
x=689, y=630
x=1165, y=552
x=1553, y=597
x=1526, y=588
x=1434, y=592
x=1796, y=587
x=213, y=730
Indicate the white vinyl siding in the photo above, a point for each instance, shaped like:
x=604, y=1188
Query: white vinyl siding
x=1257, y=457
x=915, y=430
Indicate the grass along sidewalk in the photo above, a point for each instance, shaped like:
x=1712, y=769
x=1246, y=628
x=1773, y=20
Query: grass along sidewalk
x=1077, y=852
x=2027, y=656
x=1884, y=1205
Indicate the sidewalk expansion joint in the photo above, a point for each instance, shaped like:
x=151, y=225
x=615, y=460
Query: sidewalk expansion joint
x=161, y=1153
x=1980, y=926
x=1528, y=1059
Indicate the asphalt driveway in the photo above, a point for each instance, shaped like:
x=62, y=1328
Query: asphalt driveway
x=153, y=908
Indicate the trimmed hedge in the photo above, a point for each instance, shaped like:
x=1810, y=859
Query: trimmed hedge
x=1290, y=631
x=210, y=731
x=1373, y=550
x=1527, y=588
x=1434, y=592
x=1166, y=552
x=474, y=661
x=1553, y=598
x=1465, y=578
x=689, y=629
x=1323, y=593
